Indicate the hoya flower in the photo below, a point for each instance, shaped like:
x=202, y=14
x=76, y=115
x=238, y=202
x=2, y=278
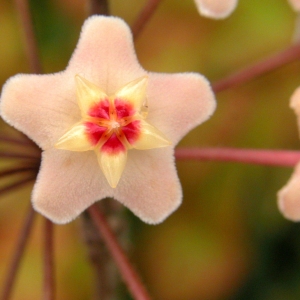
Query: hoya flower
x=289, y=195
x=295, y=4
x=220, y=9
x=106, y=126
x=216, y=9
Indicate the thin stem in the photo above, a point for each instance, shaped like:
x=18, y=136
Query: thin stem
x=4, y=154
x=31, y=43
x=17, y=141
x=49, y=286
x=127, y=271
x=98, y=7
x=269, y=64
x=11, y=171
x=16, y=259
x=105, y=270
x=144, y=16
x=17, y=184
x=250, y=156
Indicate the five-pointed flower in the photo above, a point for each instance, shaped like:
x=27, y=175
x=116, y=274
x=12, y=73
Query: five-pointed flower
x=216, y=9
x=289, y=195
x=220, y=9
x=93, y=119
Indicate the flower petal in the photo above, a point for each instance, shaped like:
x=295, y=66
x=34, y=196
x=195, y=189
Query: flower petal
x=289, y=197
x=105, y=54
x=134, y=92
x=178, y=103
x=112, y=165
x=68, y=183
x=88, y=94
x=216, y=9
x=41, y=106
x=295, y=4
x=149, y=186
x=295, y=104
x=150, y=137
x=75, y=139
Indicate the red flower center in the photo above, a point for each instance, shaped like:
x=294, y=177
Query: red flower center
x=112, y=125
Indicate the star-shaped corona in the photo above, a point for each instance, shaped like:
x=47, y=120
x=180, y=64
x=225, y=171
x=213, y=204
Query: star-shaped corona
x=111, y=125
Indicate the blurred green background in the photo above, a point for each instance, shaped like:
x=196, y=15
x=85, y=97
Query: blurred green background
x=227, y=241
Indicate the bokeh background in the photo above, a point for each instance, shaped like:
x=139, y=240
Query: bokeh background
x=227, y=241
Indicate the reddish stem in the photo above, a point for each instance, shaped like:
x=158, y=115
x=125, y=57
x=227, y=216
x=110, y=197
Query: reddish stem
x=19, y=250
x=4, y=154
x=269, y=64
x=31, y=44
x=129, y=275
x=98, y=7
x=16, y=170
x=250, y=156
x=17, y=184
x=17, y=141
x=49, y=285
x=144, y=16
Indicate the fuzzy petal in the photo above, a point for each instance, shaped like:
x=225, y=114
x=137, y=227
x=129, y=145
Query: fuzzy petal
x=75, y=139
x=112, y=165
x=68, y=183
x=150, y=137
x=289, y=197
x=105, y=54
x=149, y=186
x=216, y=9
x=295, y=4
x=178, y=103
x=41, y=106
x=88, y=94
x=295, y=104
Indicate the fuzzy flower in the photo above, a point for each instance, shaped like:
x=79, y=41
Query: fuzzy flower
x=295, y=4
x=106, y=126
x=289, y=195
x=216, y=9
x=220, y=9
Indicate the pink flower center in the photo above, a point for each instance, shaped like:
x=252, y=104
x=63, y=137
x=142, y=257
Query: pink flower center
x=112, y=125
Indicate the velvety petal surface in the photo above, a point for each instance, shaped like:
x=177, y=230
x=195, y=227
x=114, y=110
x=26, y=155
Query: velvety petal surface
x=68, y=183
x=216, y=9
x=289, y=197
x=105, y=54
x=295, y=104
x=178, y=103
x=41, y=106
x=149, y=186
x=295, y=4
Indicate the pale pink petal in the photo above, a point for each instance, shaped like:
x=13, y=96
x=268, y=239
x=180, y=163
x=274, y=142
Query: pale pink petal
x=289, y=197
x=216, y=9
x=295, y=104
x=68, y=183
x=295, y=4
x=149, y=186
x=105, y=54
x=178, y=103
x=41, y=106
